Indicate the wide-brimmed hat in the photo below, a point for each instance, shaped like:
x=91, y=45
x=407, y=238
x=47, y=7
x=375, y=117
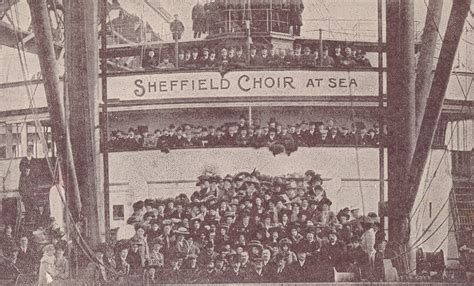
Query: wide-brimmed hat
x=181, y=231
x=285, y=241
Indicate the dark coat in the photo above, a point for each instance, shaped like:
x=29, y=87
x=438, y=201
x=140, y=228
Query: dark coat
x=300, y=273
x=199, y=18
x=337, y=255
x=27, y=175
x=26, y=261
x=296, y=11
x=283, y=277
x=230, y=276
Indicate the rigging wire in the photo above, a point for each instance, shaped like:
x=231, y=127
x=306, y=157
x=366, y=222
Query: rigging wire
x=79, y=239
x=25, y=73
x=452, y=131
x=361, y=192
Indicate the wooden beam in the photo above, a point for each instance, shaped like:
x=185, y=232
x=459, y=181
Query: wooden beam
x=54, y=96
x=434, y=105
x=425, y=60
x=82, y=86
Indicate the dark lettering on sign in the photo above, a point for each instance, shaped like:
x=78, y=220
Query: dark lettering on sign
x=225, y=83
x=140, y=90
x=316, y=82
x=242, y=80
x=245, y=83
x=288, y=80
x=342, y=82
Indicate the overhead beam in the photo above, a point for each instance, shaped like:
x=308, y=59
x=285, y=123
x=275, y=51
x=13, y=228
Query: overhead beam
x=454, y=30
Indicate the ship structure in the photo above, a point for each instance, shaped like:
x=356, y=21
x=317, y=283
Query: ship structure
x=236, y=141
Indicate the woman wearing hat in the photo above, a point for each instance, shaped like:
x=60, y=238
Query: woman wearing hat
x=61, y=263
x=284, y=248
x=181, y=246
x=140, y=240
x=47, y=270
x=155, y=259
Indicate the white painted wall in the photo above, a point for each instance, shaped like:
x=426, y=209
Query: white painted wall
x=436, y=186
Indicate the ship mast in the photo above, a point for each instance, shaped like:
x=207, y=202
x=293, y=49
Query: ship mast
x=410, y=146
x=81, y=149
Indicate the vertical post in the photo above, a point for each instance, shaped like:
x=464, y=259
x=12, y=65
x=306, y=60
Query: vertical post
x=249, y=39
x=401, y=107
x=9, y=140
x=105, y=115
x=250, y=115
x=381, y=108
x=24, y=139
x=425, y=61
x=321, y=47
x=392, y=16
x=408, y=76
x=176, y=52
x=271, y=15
x=82, y=69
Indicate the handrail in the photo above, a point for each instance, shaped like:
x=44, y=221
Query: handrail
x=250, y=68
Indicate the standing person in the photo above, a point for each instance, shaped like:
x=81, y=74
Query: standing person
x=326, y=59
x=61, y=263
x=177, y=28
x=199, y=19
x=296, y=18
x=47, y=269
x=156, y=260
x=27, y=181
x=26, y=259
x=376, y=259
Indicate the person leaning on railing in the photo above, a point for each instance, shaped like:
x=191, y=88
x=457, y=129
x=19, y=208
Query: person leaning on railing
x=304, y=134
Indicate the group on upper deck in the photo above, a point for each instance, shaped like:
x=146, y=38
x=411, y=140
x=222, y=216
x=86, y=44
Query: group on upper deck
x=221, y=16
x=234, y=57
x=274, y=135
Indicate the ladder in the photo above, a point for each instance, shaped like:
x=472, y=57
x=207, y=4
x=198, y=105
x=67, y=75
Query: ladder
x=462, y=206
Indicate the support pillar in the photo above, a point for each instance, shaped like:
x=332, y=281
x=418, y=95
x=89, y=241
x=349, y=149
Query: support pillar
x=82, y=58
x=401, y=107
x=24, y=140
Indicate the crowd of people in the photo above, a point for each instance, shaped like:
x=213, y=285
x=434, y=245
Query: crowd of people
x=266, y=56
x=247, y=228
x=218, y=16
x=278, y=137
x=33, y=257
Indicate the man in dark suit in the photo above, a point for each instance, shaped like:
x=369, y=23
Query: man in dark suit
x=28, y=167
x=26, y=260
x=301, y=270
x=280, y=272
x=256, y=275
x=239, y=59
x=296, y=18
x=333, y=137
x=254, y=57
x=233, y=274
x=311, y=136
x=336, y=252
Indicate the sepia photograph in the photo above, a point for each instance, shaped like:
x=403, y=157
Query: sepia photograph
x=231, y=142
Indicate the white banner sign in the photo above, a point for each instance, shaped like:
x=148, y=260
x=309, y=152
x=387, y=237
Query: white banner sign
x=243, y=83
